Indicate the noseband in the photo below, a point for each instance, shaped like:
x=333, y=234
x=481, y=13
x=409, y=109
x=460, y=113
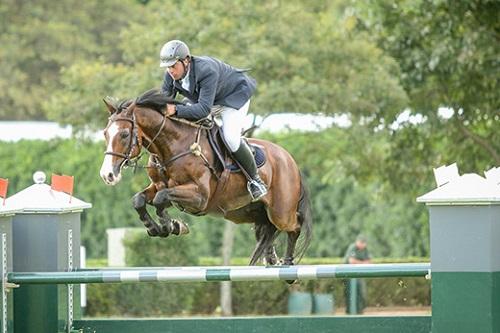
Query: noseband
x=134, y=140
x=194, y=149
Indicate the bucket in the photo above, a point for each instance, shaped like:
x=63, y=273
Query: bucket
x=323, y=304
x=299, y=303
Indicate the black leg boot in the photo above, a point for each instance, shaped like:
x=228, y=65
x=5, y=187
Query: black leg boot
x=255, y=185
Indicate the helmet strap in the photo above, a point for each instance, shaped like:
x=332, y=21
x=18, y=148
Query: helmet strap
x=185, y=69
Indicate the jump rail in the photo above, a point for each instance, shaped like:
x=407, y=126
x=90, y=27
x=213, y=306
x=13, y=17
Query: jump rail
x=222, y=273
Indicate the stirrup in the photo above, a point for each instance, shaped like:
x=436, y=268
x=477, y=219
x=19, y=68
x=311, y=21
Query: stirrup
x=256, y=189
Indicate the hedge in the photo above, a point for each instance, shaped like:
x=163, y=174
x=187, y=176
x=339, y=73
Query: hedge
x=249, y=298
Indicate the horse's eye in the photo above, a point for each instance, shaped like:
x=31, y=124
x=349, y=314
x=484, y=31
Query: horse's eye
x=124, y=135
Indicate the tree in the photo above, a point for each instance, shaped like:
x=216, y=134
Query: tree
x=306, y=58
x=39, y=38
x=448, y=55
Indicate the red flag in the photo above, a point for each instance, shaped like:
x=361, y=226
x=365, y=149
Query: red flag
x=63, y=184
x=4, y=184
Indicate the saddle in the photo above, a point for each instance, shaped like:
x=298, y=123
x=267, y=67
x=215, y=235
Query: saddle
x=223, y=154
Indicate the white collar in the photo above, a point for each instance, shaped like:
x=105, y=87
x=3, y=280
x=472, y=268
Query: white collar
x=185, y=80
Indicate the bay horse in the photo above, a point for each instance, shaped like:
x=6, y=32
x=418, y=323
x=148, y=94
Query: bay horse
x=184, y=173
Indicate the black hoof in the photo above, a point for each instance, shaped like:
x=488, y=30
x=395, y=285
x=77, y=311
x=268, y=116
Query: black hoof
x=152, y=232
x=291, y=281
x=166, y=226
x=271, y=261
x=163, y=234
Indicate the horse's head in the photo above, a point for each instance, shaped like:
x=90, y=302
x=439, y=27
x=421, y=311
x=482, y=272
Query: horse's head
x=123, y=142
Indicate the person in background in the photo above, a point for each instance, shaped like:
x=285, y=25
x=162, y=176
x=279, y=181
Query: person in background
x=357, y=253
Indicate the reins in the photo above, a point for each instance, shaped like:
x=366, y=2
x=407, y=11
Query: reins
x=195, y=148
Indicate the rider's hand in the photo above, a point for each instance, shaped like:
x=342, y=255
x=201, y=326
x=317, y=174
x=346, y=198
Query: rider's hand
x=170, y=110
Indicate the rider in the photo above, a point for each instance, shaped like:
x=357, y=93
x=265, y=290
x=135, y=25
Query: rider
x=212, y=84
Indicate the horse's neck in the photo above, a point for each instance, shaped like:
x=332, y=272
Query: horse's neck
x=174, y=138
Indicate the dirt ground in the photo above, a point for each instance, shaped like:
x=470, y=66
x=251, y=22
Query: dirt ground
x=391, y=311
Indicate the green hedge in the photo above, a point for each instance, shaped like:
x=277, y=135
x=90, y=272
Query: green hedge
x=249, y=298
x=341, y=210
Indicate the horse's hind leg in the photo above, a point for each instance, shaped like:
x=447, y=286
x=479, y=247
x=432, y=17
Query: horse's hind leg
x=139, y=201
x=285, y=221
x=290, y=249
x=265, y=234
x=265, y=231
x=270, y=256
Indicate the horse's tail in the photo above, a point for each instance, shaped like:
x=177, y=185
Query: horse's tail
x=267, y=233
x=304, y=214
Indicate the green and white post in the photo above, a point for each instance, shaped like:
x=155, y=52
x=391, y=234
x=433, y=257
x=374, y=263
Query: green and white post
x=465, y=253
x=45, y=238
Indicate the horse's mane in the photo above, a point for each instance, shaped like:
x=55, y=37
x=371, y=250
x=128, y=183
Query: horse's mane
x=122, y=105
x=154, y=99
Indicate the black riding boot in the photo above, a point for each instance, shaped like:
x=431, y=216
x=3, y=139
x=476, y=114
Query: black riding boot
x=255, y=185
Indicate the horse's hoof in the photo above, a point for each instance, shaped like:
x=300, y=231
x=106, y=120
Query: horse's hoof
x=165, y=231
x=287, y=262
x=271, y=261
x=291, y=281
x=181, y=228
x=152, y=232
x=166, y=226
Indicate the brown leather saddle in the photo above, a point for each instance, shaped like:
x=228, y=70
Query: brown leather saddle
x=223, y=154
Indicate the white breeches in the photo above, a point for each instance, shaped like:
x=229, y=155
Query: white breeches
x=233, y=124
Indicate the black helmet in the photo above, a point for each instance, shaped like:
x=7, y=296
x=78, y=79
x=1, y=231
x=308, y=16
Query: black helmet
x=173, y=51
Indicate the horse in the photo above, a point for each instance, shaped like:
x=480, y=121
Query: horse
x=186, y=174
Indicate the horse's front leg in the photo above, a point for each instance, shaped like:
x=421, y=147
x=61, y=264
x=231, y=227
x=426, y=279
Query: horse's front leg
x=192, y=197
x=169, y=225
x=139, y=201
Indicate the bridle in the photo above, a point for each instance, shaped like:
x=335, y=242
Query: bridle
x=128, y=160
x=134, y=139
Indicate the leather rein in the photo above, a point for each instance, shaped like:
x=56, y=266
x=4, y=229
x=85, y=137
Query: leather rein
x=194, y=148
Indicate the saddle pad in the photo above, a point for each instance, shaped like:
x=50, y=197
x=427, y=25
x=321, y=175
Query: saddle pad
x=259, y=156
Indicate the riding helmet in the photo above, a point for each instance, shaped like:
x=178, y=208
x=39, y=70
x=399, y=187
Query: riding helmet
x=173, y=51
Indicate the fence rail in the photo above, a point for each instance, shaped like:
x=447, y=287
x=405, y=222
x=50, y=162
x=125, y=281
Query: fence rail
x=222, y=273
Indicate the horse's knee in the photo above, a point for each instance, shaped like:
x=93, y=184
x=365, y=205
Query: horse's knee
x=139, y=200
x=161, y=198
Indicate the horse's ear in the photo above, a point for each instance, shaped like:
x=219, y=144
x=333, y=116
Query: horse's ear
x=109, y=101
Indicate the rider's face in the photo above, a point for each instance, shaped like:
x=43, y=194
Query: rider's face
x=176, y=71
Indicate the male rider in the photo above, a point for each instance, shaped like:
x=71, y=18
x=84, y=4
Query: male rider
x=212, y=84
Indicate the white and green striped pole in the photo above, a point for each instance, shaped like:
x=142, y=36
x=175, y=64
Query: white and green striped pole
x=227, y=273
x=465, y=254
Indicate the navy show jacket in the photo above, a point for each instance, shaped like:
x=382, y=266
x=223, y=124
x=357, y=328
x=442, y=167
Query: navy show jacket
x=211, y=82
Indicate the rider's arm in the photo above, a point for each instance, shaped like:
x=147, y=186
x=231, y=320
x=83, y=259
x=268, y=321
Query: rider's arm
x=208, y=85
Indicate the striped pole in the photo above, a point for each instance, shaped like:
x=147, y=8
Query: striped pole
x=227, y=273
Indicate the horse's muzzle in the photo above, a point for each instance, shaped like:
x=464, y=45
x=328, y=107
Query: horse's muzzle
x=111, y=174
